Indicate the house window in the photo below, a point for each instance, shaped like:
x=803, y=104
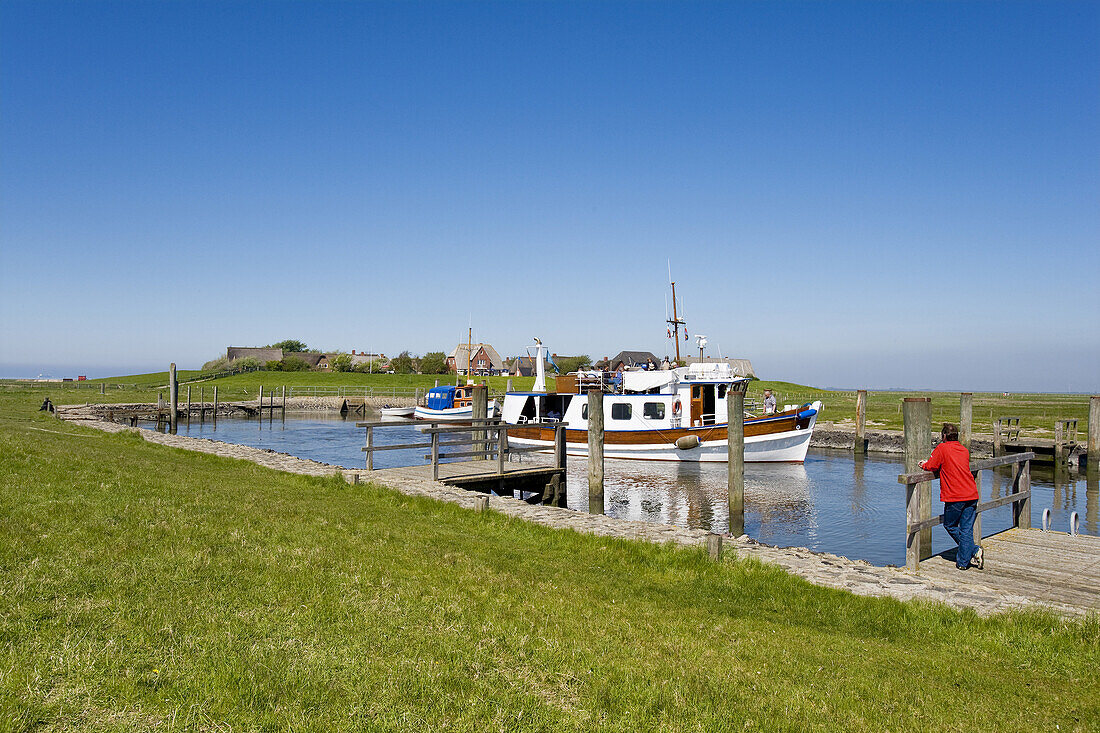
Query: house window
x=620, y=411
x=654, y=410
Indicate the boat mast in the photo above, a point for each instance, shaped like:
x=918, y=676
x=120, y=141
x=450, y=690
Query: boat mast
x=675, y=321
x=469, y=354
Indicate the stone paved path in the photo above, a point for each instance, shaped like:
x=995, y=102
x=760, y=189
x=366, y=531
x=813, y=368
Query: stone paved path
x=965, y=590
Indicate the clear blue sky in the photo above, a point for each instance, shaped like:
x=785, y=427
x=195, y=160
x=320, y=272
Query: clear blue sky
x=851, y=194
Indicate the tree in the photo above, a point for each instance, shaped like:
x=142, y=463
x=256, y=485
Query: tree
x=567, y=364
x=403, y=363
x=293, y=346
x=434, y=362
x=341, y=363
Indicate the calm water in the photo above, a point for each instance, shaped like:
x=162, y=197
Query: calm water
x=833, y=503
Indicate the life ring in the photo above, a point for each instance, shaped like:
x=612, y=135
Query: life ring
x=676, y=408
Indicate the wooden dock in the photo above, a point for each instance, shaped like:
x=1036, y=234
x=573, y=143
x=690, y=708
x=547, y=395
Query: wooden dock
x=534, y=484
x=1053, y=568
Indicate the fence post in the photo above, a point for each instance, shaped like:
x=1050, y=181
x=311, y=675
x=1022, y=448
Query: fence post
x=435, y=456
x=735, y=446
x=595, y=451
x=370, y=448
x=1093, y=447
x=860, y=445
x=966, y=418
x=480, y=400
x=103, y=388
x=173, y=396
x=917, y=419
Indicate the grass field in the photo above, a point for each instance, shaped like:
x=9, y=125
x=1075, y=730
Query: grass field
x=144, y=588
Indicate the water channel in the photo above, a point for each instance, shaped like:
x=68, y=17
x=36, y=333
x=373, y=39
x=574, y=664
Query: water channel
x=835, y=502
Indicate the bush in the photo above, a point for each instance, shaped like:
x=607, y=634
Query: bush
x=403, y=363
x=216, y=365
x=293, y=346
x=567, y=364
x=248, y=362
x=341, y=363
x=434, y=362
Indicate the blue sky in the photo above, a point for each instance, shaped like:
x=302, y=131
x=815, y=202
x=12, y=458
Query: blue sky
x=851, y=194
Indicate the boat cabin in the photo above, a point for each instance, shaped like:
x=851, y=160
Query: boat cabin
x=448, y=396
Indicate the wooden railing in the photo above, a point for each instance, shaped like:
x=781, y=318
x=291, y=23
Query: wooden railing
x=918, y=516
x=488, y=441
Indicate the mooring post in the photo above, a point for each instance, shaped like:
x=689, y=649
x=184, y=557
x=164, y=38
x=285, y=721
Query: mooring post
x=735, y=477
x=103, y=388
x=595, y=451
x=435, y=455
x=1059, y=446
x=214, y=414
x=1021, y=510
x=173, y=396
x=260, y=411
x=416, y=396
x=370, y=448
x=509, y=387
x=861, y=422
x=283, y=400
x=189, y=404
x=559, y=458
x=481, y=503
x=1092, y=456
x=714, y=546
x=160, y=401
x=917, y=419
x=998, y=441
x=966, y=418
x=502, y=448
x=481, y=412
x=978, y=515
x=202, y=404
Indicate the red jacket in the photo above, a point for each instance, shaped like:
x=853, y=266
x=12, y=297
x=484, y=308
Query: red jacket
x=952, y=460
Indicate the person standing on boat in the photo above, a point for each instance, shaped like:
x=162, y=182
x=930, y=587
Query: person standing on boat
x=769, y=402
x=959, y=493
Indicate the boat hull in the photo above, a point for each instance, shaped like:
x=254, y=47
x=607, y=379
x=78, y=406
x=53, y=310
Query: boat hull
x=781, y=444
x=397, y=411
x=453, y=414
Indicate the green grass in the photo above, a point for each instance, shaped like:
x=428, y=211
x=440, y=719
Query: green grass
x=143, y=587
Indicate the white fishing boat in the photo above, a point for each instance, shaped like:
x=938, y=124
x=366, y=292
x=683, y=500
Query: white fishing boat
x=677, y=414
x=388, y=411
x=450, y=403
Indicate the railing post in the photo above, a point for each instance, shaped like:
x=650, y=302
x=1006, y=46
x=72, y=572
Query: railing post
x=966, y=418
x=435, y=456
x=998, y=441
x=860, y=445
x=735, y=469
x=917, y=419
x=1093, y=447
x=370, y=448
x=978, y=515
x=595, y=451
x=1021, y=510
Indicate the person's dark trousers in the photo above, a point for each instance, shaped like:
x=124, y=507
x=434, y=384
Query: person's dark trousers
x=958, y=520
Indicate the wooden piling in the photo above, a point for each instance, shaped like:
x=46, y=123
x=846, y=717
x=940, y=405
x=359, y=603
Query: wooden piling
x=735, y=476
x=978, y=515
x=480, y=403
x=481, y=503
x=189, y=404
x=103, y=388
x=282, y=401
x=1059, y=445
x=714, y=547
x=509, y=387
x=966, y=418
x=860, y=445
x=998, y=441
x=260, y=411
x=202, y=404
x=214, y=414
x=1093, y=447
x=160, y=401
x=917, y=419
x=370, y=445
x=595, y=451
x=173, y=396
x=502, y=449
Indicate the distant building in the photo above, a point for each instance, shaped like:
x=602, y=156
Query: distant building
x=630, y=360
x=524, y=366
x=381, y=363
x=484, y=360
x=263, y=354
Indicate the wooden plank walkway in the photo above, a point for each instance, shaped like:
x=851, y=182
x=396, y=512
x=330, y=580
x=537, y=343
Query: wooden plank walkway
x=459, y=470
x=1054, y=568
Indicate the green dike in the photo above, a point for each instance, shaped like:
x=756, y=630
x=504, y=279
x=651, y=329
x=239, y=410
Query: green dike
x=144, y=587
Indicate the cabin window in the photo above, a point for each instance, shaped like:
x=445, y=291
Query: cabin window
x=721, y=391
x=654, y=410
x=620, y=411
x=584, y=411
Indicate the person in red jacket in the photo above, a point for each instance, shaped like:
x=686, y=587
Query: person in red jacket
x=950, y=461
